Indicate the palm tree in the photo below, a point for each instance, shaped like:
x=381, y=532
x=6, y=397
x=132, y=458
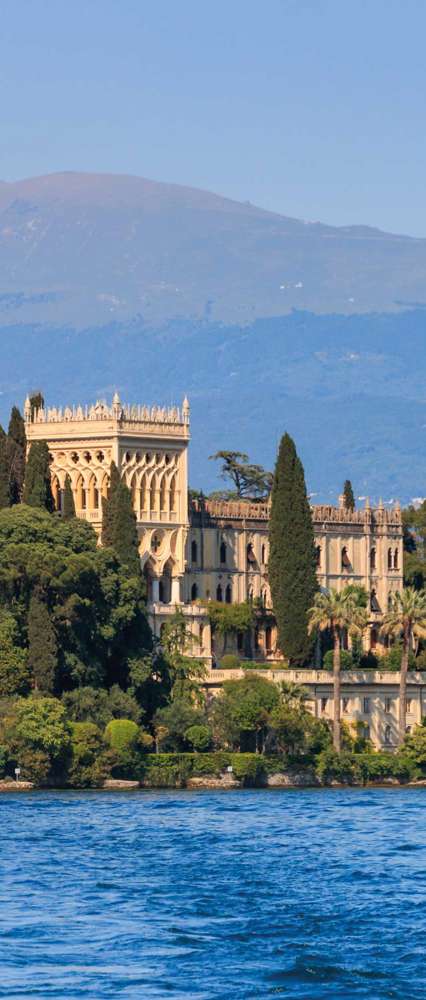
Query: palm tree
x=407, y=618
x=337, y=611
x=293, y=695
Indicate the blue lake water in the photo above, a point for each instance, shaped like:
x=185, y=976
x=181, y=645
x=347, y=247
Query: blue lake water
x=301, y=894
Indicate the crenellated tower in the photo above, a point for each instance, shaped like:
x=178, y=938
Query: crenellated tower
x=149, y=446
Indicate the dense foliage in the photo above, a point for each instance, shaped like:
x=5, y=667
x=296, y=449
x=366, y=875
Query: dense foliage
x=292, y=564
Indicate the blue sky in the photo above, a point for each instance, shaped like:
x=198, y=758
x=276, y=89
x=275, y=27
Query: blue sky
x=314, y=109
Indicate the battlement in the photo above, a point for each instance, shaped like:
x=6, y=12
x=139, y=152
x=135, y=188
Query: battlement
x=122, y=413
x=241, y=510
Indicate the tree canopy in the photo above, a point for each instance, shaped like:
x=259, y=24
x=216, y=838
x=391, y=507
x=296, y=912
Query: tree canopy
x=249, y=482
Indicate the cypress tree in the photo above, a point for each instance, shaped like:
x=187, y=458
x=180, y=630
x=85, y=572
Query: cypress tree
x=68, y=505
x=108, y=506
x=37, y=488
x=4, y=471
x=42, y=645
x=36, y=403
x=124, y=531
x=16, y=448
x=292, y=554
x=348, y=496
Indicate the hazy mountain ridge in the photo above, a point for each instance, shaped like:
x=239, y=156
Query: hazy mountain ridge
x=82, y=249
x=350, y=389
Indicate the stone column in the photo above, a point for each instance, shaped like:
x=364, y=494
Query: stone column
x=175, y=596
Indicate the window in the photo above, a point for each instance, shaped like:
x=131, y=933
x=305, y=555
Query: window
x=395, y=559
x=372, y=559
x=366, y=731
x=194, y=552
x=219, y=595
x=318, y=556
x=161, y=592
x=251, y=558
x=388, y=705
x=408, y=729
x=324, y=704
x=345, y=704
x=256, y=638
x=194, y=592
x=390, y=562
x=263, y=554
x=388, y=735
x=268, y=639
x=346, y=563
x=228, y=594
x=223, y=553
x=366, y=705
x=373, y=638
x=409, y=705
x=374, y=604
x=240, y=641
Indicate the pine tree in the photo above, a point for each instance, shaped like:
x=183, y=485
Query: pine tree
x=348, y=496
x=37, y=488
x=42, y=645
x=108, y=506
x=68, y=505
x=16, y=449
x=292, y=565
x=4, y=471
x=124, y=532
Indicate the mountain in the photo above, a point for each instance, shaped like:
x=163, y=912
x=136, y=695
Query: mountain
x=85, y=249
x=268, y=323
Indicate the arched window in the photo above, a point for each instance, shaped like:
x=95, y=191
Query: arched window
x=372, y=559
x=263, y=554
x=318, y=556
x=228, y=594
x=373, y=638
x=161, y=592
x=173, y=494
x=389, y=558
x=219, y=595
x=251, y=558
x=223, y=553
x=388, y=735
x=346, y=563
x=374, y=604
x=395, y=559
x=163, y=494
x=256, y=638
x=194, y=592
x=268, y=638
x=194, y=552
x=152, y=494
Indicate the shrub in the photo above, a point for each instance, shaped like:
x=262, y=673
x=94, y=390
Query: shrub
x=342, y=767
x=230, y=662
x=248, y=767
x=199, y=737
x=346, y=661
x=90, y=763
x=121, y=734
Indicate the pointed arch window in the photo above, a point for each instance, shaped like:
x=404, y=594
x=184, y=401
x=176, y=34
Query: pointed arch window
x=219, y=593
x=374, y=604
x=318, y=556
x=228, y=594
x=346, y=563
x=223, y=553
x=395, y=559
x=194, y=592
x=372, y=559
x=390, y=560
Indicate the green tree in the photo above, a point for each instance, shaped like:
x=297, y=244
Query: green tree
x=98, y=706
x=68, y=505
x=42, y=644
x=172, y=722
x=337, y=612
x=249, y=481
x=37, y=736
x=185, y=672
x=16, y=449
x=292, y=563
x=14, y=671
x=108, y=506
x=4, y=471
x=36, y=403
x=199, y=738
x=124, y=535
x=348, y=496
x=121, y=734
x=37, y=488
x=229, y=619
x=407, y=619
x=90, y=761
x=241, y=713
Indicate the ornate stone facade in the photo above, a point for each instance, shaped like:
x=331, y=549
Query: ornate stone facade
x=216, y=549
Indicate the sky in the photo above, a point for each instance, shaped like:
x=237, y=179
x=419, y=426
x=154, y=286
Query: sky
x=312, y=109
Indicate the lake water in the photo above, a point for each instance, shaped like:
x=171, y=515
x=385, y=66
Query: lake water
x=266, y=894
